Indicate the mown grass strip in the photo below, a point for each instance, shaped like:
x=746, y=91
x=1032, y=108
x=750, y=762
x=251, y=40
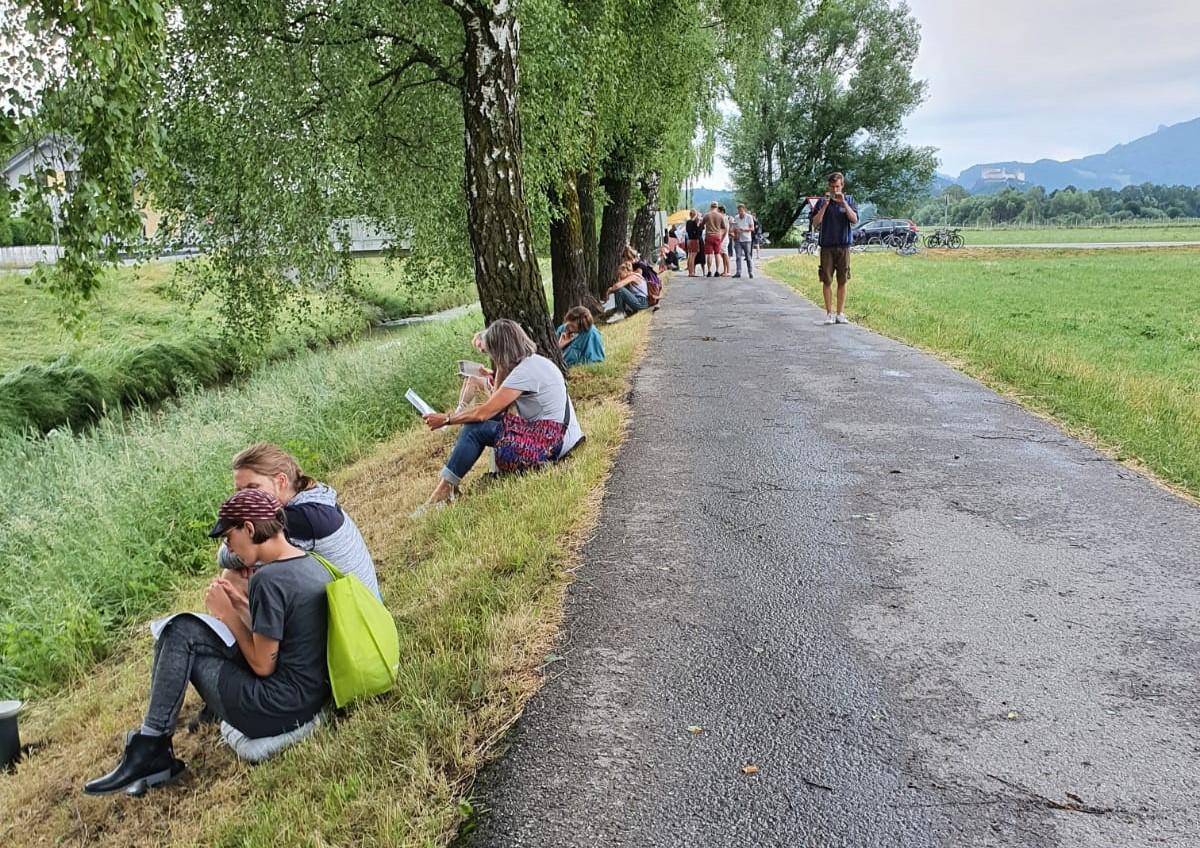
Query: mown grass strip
x=477, y=594
x=1107, y=343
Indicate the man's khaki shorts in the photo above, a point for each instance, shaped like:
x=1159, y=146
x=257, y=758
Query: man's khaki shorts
x=835, y=259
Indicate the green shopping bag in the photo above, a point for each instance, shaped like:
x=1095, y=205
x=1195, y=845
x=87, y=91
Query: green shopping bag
x=362, y=647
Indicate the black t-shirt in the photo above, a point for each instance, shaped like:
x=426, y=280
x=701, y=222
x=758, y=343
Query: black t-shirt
x=694, y=230
x=287, y=603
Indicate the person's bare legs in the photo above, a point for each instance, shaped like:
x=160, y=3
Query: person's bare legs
x=827, y=293
x=725, y=263
x=841, y=297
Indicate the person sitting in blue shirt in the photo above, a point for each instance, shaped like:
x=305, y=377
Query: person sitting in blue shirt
x=579, y=339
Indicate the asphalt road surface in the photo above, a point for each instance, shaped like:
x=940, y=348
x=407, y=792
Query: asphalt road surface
x=920, y=615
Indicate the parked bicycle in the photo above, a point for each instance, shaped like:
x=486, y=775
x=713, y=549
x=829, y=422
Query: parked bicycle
x=945, y=237
x=809, y=244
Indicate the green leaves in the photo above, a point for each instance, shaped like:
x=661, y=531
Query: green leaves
x=829, y=92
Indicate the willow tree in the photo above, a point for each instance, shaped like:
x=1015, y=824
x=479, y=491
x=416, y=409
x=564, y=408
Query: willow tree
x=840, y=107
x=282, y=118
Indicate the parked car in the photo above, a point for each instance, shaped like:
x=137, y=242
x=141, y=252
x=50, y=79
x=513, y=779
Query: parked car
x=879, y=229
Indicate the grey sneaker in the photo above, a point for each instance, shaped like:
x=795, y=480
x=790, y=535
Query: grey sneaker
x=841, y=318
x=828, y=318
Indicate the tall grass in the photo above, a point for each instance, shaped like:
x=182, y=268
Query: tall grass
x=477, y=594
x=140, y=344
x=96, y=528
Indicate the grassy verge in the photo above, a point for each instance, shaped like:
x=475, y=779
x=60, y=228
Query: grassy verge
x=95, y=528
x=1108, y=344
x=477, y=594
x=1076, y=235
x=140, y=344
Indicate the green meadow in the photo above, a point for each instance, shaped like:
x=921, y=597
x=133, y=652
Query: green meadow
x=1107, y=342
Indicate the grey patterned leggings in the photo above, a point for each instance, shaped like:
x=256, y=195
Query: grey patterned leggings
x=187, y=650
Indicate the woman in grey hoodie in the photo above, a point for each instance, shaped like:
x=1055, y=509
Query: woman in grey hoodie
x=315, y=521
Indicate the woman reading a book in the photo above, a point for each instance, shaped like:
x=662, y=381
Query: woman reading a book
x=541, y=428
x=261, y=666
x=579, y=339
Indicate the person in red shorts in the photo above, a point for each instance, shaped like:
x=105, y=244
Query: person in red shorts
x=716, y=227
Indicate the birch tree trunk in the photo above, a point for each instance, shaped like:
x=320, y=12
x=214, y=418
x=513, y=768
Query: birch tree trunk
x=506, y=270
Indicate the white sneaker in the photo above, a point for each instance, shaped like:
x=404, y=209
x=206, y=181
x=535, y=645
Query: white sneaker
x=828, y=318
x=841, y=318
x=615, y=317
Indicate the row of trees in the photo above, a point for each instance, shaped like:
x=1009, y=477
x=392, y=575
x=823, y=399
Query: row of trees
x=1064, y=206
x=473, y=126
x=480, y=128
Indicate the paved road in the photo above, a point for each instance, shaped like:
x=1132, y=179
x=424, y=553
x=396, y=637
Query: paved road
x=927, y=617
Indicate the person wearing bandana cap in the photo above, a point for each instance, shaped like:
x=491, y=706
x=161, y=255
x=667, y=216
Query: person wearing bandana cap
x=272, y=680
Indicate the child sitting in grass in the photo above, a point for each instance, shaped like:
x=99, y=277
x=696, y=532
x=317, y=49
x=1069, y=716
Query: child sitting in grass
x=270, y=681
x=579, y=339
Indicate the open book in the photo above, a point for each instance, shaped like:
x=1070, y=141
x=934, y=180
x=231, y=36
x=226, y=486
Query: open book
x=467, y=368
x=418, y=403
x=218, y=626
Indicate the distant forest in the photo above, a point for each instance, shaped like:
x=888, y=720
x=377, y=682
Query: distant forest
x=1068, y=206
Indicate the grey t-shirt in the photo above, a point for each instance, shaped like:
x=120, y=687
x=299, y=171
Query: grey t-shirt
x=287, y=603
x=744, y=224
x=543, y=395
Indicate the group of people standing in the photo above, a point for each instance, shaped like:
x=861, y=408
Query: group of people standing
x=715, y=237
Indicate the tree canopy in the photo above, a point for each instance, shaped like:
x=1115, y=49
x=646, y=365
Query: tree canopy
x=829, y=91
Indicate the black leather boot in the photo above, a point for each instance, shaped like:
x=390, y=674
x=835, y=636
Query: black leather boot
x=148, y=761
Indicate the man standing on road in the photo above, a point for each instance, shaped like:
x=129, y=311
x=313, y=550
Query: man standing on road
x=714, y=233
x=743, y=235
x=834, y=215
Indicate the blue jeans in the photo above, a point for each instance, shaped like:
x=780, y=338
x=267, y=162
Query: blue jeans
x=742, y=248
x=630, y=302
x=468, y=447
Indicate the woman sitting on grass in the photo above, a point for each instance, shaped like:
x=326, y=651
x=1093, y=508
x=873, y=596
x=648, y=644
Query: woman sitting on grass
x=543, y=429
x=315, y=521
x=274, y=677
x=629, y=291
x=579, y=339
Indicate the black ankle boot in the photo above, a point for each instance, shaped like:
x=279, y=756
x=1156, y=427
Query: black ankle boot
x=148, y=761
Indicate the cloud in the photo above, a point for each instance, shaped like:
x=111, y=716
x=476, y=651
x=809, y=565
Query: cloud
x=1029, y=79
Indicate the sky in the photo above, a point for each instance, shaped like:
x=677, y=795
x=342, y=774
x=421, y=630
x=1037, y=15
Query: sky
x=1031, y=79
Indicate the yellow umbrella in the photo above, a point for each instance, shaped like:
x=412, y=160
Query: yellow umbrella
x=677, y=217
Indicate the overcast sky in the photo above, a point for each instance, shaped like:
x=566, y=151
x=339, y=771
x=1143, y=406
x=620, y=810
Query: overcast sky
x=1057, y=79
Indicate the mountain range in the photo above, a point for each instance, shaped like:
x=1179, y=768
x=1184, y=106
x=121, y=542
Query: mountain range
x=1169, y=156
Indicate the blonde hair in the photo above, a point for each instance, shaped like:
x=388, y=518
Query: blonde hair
x=507, y=344
x=268, y=460
x=629, y=254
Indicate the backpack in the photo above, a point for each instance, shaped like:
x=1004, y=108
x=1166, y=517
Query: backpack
x=362, y=646
x=653, y=283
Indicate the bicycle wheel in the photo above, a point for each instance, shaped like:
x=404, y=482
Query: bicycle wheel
x=956, y=240
x=933, y=240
